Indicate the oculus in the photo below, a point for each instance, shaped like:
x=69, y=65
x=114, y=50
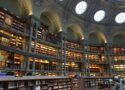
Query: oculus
x=81, y=7
x=120, y=18
x=99, y=15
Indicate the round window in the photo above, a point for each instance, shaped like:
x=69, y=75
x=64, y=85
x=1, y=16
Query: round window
x=81, y=7
x=99, y=15
x=120, y=18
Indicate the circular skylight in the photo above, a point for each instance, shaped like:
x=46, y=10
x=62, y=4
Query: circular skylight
x=120, y=18
x=81, y=7
x=99, y=15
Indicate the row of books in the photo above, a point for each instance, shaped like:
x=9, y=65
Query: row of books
x=45, y=84
x=95, y=67
x=96, y=57
x=14, y=61
x=120, y=50
x=72, y=55
x=118, y=58
x=73, y=45
x=14, y=22
x=44, y=49
x=15, y=42
x=95, y=49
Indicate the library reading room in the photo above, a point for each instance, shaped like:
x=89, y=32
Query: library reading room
x=62, y=44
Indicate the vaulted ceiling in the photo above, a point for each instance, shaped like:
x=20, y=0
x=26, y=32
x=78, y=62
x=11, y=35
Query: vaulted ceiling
x=75, y=28
x=111, y=7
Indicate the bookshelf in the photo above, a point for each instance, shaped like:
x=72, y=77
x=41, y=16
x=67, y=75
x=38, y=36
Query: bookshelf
x=72, y=55
x=44, y=34
x=49, y=52
x=76, y=56
x=118, y=50
x=14, y=63
x=11, y=20
x=118, y=59
x=72, y=67
x=18, y=25
x=3, y=58
x=94, y=68
x=17, y=42
x=119, y=67
x=37, y=83
x=45, y=49
x=73, y=45
x=44, y=65
x=12, y=40
x=96, y=57
x=41, y=33
x=2, y=17
x=96, y=49
x=4, y=41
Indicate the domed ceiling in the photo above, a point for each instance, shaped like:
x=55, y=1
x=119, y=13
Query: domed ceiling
x=120, y=2
x=107, y=12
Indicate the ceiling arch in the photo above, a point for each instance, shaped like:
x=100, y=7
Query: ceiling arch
x=51, y=19
x=75, y=32
x=119, y=38
x=26, y=6
x=18, y=7
x=97, y=37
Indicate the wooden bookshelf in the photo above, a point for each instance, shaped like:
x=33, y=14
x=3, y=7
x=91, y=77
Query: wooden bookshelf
x=3, y=58
x=76, y=56
x=11, y=20
x=18, y=25
x=37, y=83
x=44, y=65
x=118, y=59
x=10, y=39
x=118, y=50
x=13, y=63
x=73, y=67
x=73, y=45
x=96, y=69
x=119, y=67
x=96, y=49
x=2, y=17
x=50, y=50
x=45, y=49
x=97, y=58
x=41, y=33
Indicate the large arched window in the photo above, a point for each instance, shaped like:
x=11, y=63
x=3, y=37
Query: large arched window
x=99, y=15
x=81, y=7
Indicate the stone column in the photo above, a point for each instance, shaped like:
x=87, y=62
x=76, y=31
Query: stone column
x=85, y=56
x=109, y=57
